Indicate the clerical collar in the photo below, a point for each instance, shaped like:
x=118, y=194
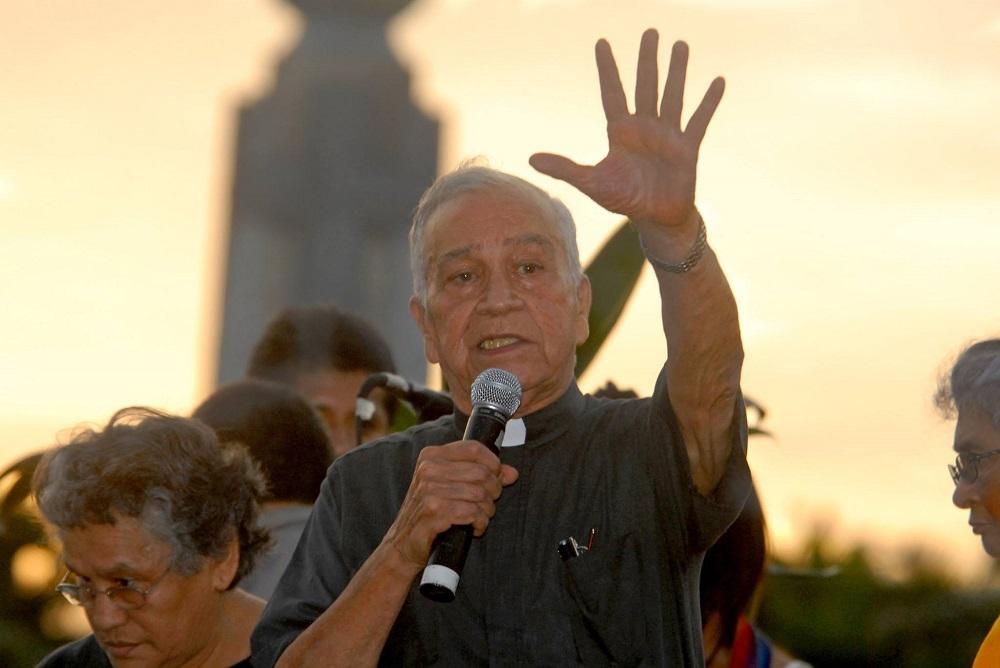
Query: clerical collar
x=543, y=425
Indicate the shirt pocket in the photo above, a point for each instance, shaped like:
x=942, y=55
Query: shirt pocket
x=604, y=589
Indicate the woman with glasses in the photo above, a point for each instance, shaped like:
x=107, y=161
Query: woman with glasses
x=972, y=392
x=157, y=524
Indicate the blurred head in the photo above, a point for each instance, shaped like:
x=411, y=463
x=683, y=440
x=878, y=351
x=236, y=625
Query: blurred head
x=158, y=523
x=279, y=429
x=730, y=573
x=325, y=354
x=497, y=283
x=971, y=391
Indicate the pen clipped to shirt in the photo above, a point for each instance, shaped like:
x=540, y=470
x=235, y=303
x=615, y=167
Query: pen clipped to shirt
x=570, y=549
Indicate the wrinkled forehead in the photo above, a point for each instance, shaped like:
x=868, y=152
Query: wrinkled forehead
x=975, y=431
x=109, y=548
x=508, y=212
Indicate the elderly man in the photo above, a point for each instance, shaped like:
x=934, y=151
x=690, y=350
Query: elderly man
x=652, y=482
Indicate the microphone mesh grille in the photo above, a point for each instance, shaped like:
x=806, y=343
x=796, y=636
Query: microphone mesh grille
x=497, y=388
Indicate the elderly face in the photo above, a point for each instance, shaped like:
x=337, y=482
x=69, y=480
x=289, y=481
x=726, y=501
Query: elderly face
x=976, y=435
x=500, y=293
x=180, y=620
x=333, y=394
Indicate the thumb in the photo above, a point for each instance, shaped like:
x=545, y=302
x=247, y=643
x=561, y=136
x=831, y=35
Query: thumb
x=559, y=167
x=508, y=475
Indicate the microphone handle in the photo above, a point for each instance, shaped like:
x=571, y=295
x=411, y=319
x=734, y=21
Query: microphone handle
x=451, y=547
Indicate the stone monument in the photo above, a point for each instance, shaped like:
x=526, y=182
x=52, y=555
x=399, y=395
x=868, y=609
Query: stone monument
x=329, y=166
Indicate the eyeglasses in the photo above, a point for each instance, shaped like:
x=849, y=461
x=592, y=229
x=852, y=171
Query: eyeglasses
x=966, y=466
x=126, y=597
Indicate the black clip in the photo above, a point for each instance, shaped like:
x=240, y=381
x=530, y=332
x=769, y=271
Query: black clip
x=569, y=549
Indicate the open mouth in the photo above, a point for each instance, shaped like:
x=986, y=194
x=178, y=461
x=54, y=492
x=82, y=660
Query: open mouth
x=498, y=342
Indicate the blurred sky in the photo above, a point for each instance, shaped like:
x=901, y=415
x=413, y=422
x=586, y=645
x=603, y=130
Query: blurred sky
x=849, y=180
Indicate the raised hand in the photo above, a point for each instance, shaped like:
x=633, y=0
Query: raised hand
x=649, y=172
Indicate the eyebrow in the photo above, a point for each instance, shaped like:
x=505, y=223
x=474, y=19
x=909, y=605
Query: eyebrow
x=118, y=568
x=530, y=239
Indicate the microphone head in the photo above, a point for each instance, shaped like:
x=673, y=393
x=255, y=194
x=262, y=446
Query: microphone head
x=497, y=388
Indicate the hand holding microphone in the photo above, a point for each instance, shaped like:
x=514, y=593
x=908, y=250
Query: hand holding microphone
x=456, y=485
x=496, y=394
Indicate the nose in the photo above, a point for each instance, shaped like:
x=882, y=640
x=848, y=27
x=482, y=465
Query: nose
x=499, y=295
x=965, y=494
x=104, y=615
x=343, y=436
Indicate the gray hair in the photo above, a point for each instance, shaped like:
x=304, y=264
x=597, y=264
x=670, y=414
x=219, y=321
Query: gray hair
x=973, y=381
x=168, y=472
x=471, y=177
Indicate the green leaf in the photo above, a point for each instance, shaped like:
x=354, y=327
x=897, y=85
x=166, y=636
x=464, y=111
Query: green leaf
x=613, y=274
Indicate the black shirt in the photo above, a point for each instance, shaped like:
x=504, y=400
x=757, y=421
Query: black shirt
x=616, y=466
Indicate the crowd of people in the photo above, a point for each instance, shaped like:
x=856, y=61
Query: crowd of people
x=176, y=530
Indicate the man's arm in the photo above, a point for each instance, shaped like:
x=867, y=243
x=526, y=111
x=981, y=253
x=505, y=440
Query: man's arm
x=649, y=175
x=452, y=484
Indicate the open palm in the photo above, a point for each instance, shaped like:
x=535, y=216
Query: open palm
x=650, y=169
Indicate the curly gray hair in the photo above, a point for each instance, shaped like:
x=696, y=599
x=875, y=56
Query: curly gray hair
x=973, y=381
x=168, y=472
x=471, y=177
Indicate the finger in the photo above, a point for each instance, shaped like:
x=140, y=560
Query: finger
x=508, y=475
x=698, y=124
x=477, y=491
x=612, y=93
x=462, y=451
x=673, y=90
x=433, y=475
x=439, y=515
x=647, y=75
x=564, y=169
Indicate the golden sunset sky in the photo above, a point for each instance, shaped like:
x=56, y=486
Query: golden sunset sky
x=850, y=182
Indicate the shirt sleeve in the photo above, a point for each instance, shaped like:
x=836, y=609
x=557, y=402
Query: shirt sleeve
x=707, y=516
x=315, y=576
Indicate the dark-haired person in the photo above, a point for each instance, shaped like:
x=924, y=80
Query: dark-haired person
x=971, y=391
x=498, y=283
x=731, y=573
x=289, y=442
x=157, y=524
x=325, y=353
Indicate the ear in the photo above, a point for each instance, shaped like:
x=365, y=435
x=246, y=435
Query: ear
x=425, y=323
x=224, y=569
x=583, y=299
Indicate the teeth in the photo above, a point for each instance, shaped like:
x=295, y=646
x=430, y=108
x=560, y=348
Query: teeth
x=493, y=344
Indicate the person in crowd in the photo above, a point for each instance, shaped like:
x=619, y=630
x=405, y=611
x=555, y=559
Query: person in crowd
x=325, y=353
x=731, y=574
x=646, y=484
x=970, y=391
x=289, y=442
x=158, y=525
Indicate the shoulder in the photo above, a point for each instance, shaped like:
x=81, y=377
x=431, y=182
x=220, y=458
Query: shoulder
x=83, y=653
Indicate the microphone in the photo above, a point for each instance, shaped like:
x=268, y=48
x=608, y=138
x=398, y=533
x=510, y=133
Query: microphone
x=496, y=394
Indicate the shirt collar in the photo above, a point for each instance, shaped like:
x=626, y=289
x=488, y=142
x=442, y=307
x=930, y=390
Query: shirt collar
x=546, y=424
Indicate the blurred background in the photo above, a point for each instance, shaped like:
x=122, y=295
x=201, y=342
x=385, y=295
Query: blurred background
x=849, y=182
